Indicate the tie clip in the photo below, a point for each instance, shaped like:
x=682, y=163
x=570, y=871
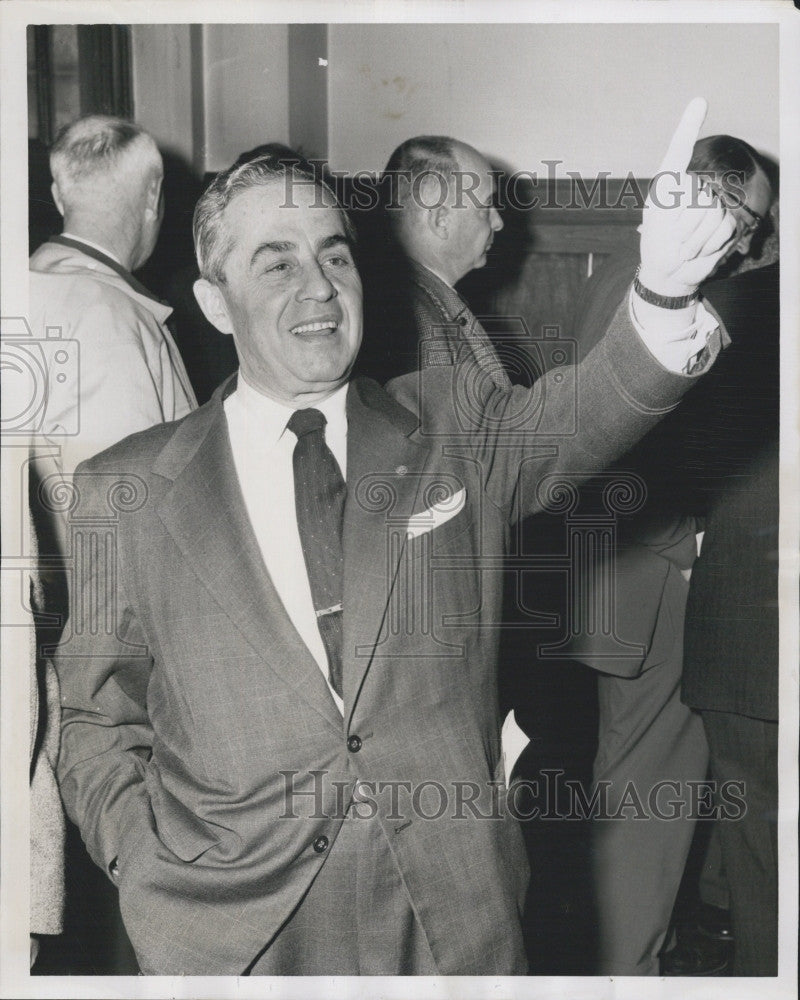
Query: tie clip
x=329, y=611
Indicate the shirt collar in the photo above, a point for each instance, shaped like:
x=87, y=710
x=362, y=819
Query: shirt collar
x=272, y=416
x=96, y=246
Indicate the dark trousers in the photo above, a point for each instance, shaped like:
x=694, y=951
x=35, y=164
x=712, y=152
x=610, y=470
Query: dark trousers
x=746, y=750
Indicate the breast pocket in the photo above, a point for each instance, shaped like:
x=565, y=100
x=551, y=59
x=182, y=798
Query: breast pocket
x=441, y=578
x=454, y=534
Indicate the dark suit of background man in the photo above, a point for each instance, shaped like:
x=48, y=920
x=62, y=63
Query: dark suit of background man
x=217, y=690
x=646, y=734
x=731, y=645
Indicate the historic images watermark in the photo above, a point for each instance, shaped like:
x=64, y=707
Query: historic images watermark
x=317, y=795
x=548, y=189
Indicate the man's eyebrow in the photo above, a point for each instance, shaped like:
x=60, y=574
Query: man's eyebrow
x=334, y=240
x=278, y=246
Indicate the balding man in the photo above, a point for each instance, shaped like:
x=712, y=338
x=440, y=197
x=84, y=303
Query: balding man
x=119, y=370
x=439, y=202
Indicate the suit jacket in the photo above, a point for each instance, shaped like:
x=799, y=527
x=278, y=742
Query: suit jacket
x=415, y=320
x=185, y=722
x=123, y=370
x=655, y=542
x=731, y=643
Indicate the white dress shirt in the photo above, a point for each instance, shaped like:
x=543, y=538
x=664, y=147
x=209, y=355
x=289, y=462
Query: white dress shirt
x=262, y=449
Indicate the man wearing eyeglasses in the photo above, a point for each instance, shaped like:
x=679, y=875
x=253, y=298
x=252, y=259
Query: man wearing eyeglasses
x=741, y=177
x=646, y=735
x=730, y=670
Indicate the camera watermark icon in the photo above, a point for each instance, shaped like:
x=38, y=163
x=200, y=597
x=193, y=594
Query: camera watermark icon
x=40, y=375
x=545, y=403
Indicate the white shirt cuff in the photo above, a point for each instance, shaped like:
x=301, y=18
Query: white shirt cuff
x=676, y=350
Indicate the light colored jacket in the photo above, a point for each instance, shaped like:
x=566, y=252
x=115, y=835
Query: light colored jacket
x=112, y=366
x=46, y=814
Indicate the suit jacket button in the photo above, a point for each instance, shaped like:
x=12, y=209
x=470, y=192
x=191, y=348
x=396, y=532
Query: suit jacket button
x=321, y=845
x=354, y=744
x=462, y=320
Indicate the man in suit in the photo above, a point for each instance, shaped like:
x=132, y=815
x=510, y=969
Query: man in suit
x=730, y=671
x=285, y=747
x=441, y=219
x=646, y=734
x=110, y=364
x=121, y=371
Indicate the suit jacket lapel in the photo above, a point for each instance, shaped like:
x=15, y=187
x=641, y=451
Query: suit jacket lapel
x=458, y=327
x=383, y=483
x=206, y=516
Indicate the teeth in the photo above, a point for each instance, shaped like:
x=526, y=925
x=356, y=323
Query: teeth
x=327, y=324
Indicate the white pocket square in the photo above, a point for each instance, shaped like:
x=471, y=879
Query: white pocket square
x=436, y=515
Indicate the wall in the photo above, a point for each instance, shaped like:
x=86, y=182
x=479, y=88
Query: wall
x=246, y=89
x=598, y=97
x=308, y=89
x=209, y=92
x=162, y=84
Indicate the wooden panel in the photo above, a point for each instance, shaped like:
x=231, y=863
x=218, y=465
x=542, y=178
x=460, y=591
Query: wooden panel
x=544, y=255
x=582, y=239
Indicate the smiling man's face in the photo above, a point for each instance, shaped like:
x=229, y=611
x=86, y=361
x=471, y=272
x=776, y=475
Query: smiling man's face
x=292, y=294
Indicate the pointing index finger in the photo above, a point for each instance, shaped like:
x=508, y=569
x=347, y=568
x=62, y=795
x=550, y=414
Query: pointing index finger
x=681, y=145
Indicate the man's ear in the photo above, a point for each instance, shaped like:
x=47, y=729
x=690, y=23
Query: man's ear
x=212, y=302
x=432, y=195
x=438, y=220
x=153, y=194
x=54, y=191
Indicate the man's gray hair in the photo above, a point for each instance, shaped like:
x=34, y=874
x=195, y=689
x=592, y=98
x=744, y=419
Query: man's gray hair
x=424, y=154
x=96, y=145
x=211, y=243
x=409, y=165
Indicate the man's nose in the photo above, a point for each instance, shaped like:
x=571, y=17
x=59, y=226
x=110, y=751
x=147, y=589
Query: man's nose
x=316, y=284
x=743, y=244
x=495, y=221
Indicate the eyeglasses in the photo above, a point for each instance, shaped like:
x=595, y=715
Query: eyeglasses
x=744, y=229
x=755, y=223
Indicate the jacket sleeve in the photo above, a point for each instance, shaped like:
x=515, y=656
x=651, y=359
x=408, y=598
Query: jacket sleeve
x=104, y=665
x=574, y=420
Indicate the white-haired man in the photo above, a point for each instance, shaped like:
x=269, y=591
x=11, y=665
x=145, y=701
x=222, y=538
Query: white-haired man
x=119, y=370
x=111, y=367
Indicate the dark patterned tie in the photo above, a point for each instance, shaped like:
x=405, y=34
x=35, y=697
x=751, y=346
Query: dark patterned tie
x=319, y=493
